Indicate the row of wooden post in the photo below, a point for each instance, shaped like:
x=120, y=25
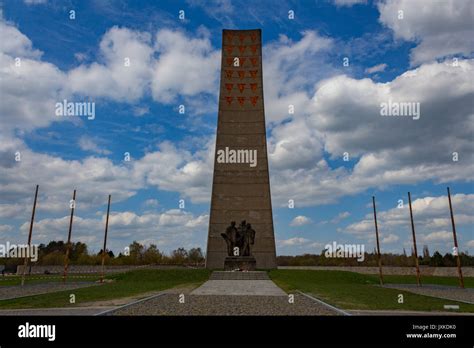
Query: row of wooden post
x=68, y=245
x=418, y=275
x=415, y=252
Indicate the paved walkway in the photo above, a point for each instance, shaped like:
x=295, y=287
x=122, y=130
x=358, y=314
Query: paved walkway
x=219, y=275
x=239, y=284
x=239, y=287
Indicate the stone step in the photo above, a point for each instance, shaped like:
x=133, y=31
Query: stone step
x=253, y=275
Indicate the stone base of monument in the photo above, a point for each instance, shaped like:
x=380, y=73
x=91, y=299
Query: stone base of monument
x=242, y=263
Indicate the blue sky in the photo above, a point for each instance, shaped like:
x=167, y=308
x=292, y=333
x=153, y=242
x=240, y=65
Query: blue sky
x=425, y=57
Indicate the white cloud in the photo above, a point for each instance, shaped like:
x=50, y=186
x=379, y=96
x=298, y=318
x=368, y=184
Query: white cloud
x=6, y=228
x=287, y=74
x=125, y=72
x=30, y=87
x=363, y=227
x=430, y=85
x=34, y=2
x=14, y=43
x=169, y=169
x=152, y=203
x=340, y=217
x=295, y=241
x=441, y=29
x=178, y=170
x=294, y=145
x=440, y=236
x=140, y=110
x=8, y=210
x=349, y=3
x=130, y=65
x=298, y=245
x=94, y=178
x=426, y=210
x=391, y=238
x=186, y=66
x=29, y=93
x=88, y=144
x=220, y=10
x=171, y=229
x=376, y=68
x=386, y=151
x=80, y=56
x=300, y=220
x=213, y=7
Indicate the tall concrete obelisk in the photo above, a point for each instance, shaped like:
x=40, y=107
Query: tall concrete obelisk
x=241, y=185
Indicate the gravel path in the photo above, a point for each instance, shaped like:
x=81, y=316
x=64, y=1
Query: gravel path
x=168, y=304
x=440, y=291
x=16, y=291
x=54, y=311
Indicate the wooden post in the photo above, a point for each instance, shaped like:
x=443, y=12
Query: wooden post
x=418, y=281
x=378, y=245
x=25, y=264
x=458, y=259
x=68, y=245
x=105, y=241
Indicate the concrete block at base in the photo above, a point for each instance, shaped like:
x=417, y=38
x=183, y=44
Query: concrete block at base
x=244, y=263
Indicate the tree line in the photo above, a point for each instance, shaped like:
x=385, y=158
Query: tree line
x=54, y=253
x=370, y=259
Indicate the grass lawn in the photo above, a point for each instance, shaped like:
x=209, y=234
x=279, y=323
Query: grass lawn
x=35, y=278
x=124, y=285
x=349, y=290
x=452, y=281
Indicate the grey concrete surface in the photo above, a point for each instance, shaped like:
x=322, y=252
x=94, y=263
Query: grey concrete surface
x=239, y=287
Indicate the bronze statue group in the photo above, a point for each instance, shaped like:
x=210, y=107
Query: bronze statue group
x=241, y=238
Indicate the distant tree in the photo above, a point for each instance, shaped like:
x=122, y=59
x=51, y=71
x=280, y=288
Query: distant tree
x=108, y=252
x=53, y=258
x=77, y=249
x=51, y=247
x=466, y=260
x=195, y=255
x=136, y=252
x=179, y=256
x=448, y=260
x=436, y=259
x=152, y=255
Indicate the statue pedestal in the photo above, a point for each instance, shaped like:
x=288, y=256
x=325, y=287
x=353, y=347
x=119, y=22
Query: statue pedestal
x=243, y=263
